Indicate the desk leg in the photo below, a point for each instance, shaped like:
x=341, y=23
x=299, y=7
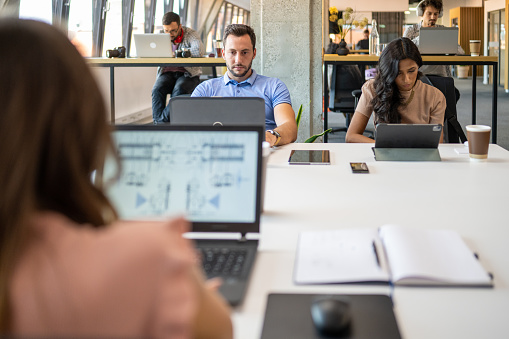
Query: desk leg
x=474, y=94
x=325, y=102
x=112, y=95
x=494, y=104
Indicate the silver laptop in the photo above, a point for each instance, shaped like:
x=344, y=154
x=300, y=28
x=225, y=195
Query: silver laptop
x=438, y=40
x=153, y=45
x=217, y=111
x=210, y=174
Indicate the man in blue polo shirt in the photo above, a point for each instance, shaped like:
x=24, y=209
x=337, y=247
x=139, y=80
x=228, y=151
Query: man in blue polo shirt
x=242, y=81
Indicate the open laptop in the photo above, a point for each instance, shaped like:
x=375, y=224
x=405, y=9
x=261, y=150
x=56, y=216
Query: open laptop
x=211, y=174
x=438, y=40
x=153, y=45
x=217, y=111
x=407, y=142
x=408, y=135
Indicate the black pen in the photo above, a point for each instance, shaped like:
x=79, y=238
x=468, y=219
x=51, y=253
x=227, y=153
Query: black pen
x=376, y=254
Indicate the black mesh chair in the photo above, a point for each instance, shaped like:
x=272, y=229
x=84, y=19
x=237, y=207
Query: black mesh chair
x=344, y=80
x=453, y=133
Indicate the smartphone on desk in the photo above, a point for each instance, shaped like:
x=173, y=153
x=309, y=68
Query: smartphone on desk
x=359, y=167
x=309, y=157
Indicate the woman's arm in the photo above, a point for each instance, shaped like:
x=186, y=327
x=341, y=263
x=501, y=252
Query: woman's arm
x=213, y=318
x=357, y=128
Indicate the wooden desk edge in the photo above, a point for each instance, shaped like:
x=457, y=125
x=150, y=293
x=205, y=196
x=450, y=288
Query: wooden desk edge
x=447, y=58
x=141, y=61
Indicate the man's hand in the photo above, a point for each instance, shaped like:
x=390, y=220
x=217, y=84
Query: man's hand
x=270, y=138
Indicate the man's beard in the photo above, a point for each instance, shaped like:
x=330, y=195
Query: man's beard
x=240, y=75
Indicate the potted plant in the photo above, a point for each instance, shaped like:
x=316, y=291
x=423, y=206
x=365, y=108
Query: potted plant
x=313, y=137
x=345, y=24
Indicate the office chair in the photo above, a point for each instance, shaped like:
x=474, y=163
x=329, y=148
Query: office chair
x=453, y=133
x=344, y=80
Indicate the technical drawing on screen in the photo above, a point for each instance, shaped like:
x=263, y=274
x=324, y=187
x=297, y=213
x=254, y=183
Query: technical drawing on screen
x=206, y=175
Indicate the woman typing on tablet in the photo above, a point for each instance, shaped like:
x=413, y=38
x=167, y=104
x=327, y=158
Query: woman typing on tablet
x=396, y=95
x=68, y=269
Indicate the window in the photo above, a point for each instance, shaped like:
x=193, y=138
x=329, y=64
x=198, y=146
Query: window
x=228, y=14
x=80, y=26
x=139, y=23
x=113, y=27
x=36, y=9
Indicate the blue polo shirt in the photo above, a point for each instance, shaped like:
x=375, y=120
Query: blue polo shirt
x=272, y=90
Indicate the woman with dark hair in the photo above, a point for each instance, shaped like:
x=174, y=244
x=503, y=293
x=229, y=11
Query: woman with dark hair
x=396, y=95
x=68, y=267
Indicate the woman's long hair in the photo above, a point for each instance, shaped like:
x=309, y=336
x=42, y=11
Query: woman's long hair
x=387, y=98
x=53, y=135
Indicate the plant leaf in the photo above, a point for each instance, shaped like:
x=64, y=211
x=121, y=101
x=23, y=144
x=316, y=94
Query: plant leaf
x=299, y=114
x=316, y=136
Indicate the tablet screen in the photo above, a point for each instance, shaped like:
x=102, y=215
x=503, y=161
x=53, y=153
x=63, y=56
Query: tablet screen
x=309, y=157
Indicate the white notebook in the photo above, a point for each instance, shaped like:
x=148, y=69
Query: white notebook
x=392, y=254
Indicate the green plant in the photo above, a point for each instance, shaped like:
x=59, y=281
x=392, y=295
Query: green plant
x=348, y=21
x=313, y=137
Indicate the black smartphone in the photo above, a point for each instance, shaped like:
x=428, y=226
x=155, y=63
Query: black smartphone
x=359, y=167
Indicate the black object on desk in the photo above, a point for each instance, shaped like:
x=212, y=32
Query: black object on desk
x=289, y=316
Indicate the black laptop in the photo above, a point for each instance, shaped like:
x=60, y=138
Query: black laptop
x=210, y=174
x=407, y=142
x=217, y=111
x=408, y=135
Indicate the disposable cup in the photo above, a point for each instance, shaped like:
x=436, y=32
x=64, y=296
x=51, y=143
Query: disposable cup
x=475, y=47
x=478, y=141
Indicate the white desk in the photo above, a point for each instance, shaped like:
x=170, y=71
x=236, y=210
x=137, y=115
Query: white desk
x=471, y=198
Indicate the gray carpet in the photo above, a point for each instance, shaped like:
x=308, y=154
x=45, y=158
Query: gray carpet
x=464, y=108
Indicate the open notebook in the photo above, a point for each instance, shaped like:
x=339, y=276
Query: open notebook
x=210, y=174
x=394, y=254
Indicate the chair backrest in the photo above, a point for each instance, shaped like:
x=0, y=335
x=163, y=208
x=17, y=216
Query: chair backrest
x=344, y=79
x=453, y=133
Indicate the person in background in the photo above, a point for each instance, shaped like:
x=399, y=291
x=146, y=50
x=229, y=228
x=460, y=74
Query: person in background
x=240, y=80
x=430, y=11
x=176, y=80
x=396, y=95
x=68, y=267
x=364, y=43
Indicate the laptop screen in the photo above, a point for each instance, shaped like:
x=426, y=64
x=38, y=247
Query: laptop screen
x=217, y=111
x=210, y=174
x=438, y=40
x=408, y=135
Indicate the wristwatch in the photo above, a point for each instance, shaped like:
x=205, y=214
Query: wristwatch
x=276, y=134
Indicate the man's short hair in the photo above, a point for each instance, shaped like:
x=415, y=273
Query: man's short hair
x=434, y=3
x=366, y=31
x=170, y=17
x=239, y=30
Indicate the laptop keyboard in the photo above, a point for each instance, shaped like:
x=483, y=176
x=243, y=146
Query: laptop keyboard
x=222, y=262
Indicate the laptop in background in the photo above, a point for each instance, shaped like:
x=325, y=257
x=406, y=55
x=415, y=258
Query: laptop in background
x=153, y=45
x=212, y=174
x=217, y=111
x=438, y=40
